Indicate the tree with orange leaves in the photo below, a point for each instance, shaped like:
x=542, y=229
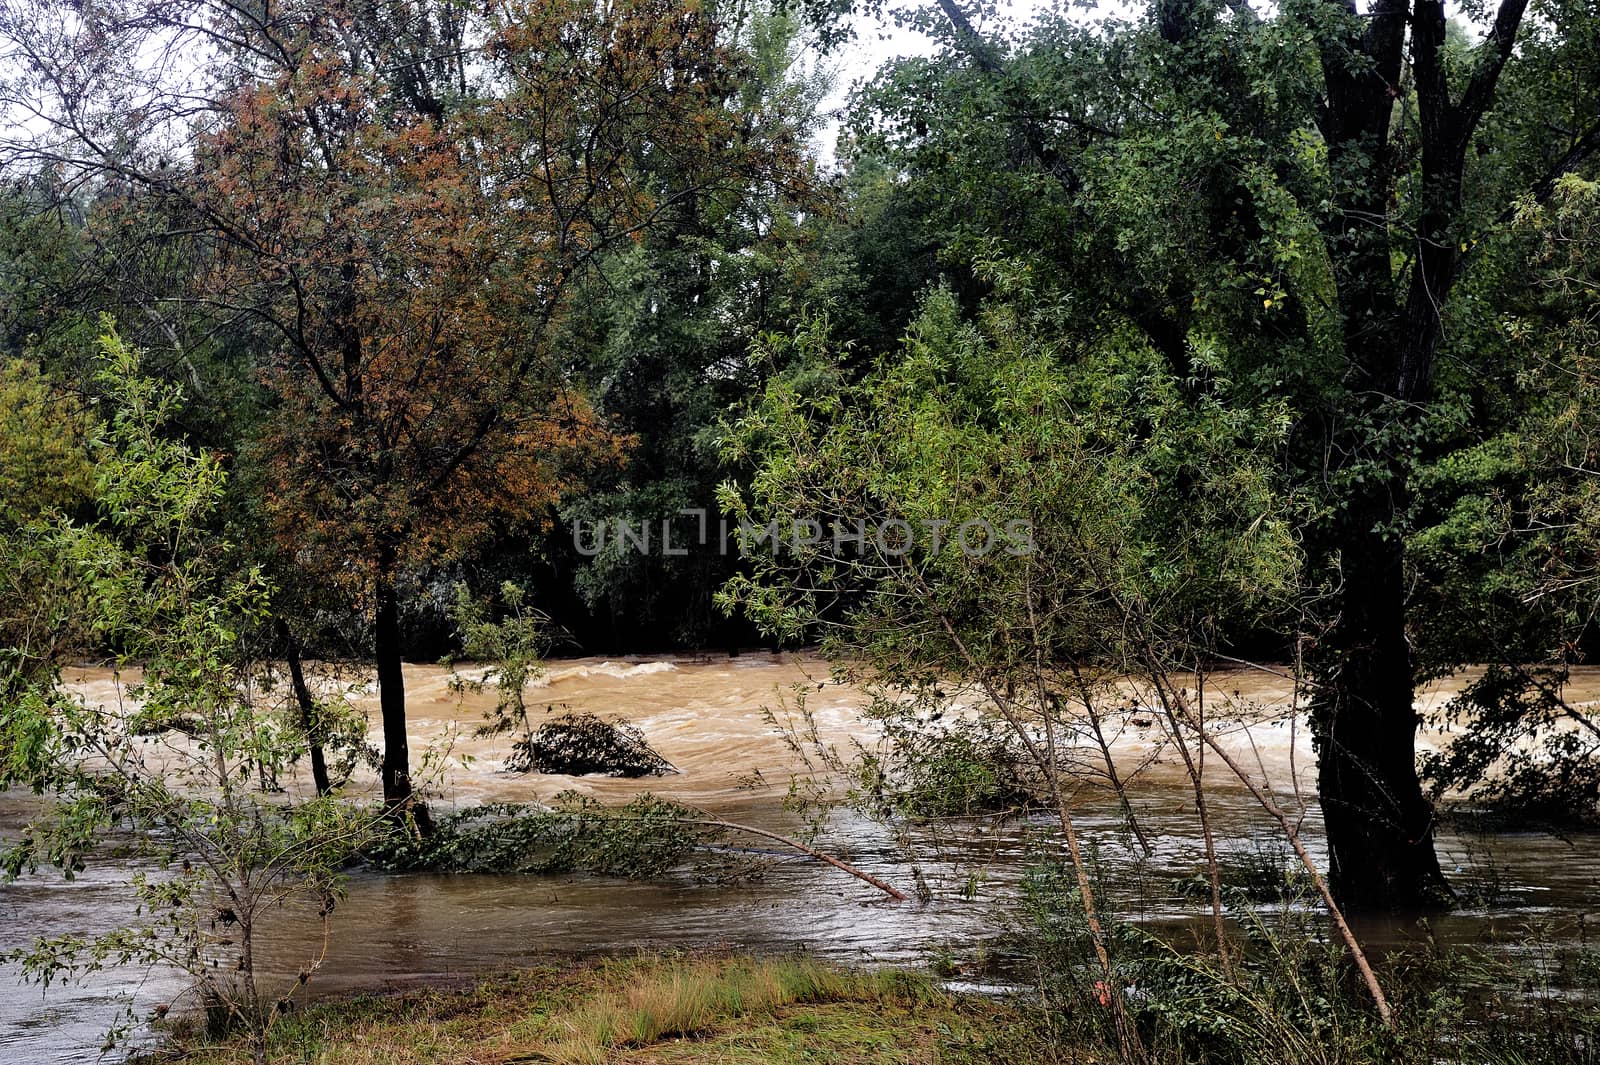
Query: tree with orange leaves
x=400, y=198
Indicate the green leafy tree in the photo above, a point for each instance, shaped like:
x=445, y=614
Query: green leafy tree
x=1510, y=540
x=169, y=769
x=1014, y=510
x=45, y=471
x=1299, y=193
x=44, y=461
x=662, y=335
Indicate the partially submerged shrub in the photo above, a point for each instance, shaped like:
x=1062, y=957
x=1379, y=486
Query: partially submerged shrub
x=646, y=837
x=967, y=768
x=1523, y=751
x=571, y=744
x=211, y=855
x=583, y=745
x=1264, y=870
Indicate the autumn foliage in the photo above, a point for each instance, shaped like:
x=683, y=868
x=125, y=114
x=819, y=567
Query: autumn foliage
x=414, y=249
x=398, y=201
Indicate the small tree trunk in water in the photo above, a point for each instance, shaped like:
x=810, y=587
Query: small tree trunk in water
x=396, y=768
x=308, y=710
x=1379, y=824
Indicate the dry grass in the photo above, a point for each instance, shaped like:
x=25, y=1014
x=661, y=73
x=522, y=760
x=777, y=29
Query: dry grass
x=688, y=997
x=654, y=1009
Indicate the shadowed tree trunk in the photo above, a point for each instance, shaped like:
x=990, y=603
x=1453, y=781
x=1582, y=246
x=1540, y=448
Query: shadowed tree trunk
x=1379, y=823
x=308, y=710
x=396, y=768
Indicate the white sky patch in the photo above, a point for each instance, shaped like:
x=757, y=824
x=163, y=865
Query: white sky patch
x=878, y=41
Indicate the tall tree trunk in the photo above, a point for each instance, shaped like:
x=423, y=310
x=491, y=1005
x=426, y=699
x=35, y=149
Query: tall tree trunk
x=308, y=710
x=1379, y=823
x=1380, y=826
x=1380, y=840
x=396, y=768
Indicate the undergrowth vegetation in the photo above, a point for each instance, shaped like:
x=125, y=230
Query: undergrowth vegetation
x=1288, y=994
x=645, y=837
x=652, y=1008
x=1291, y=999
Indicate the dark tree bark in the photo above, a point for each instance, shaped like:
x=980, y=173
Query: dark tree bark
x=396, y=768
x=308, y=710
x=1379, y=823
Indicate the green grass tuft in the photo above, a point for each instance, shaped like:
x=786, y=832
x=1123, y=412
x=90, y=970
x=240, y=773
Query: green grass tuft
x=680, y=1009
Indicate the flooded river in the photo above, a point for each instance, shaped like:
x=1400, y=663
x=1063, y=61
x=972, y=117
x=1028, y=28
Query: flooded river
x=709, y=717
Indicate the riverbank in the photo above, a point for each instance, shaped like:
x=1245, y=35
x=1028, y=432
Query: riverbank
x=655, y=1008
x=708, y=717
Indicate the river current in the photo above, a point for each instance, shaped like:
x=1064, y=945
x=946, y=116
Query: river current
x=712, y=718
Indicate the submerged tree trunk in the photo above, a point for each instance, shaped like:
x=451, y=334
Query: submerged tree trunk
x=308, y=710
x=1379, y=823
x=396, y=768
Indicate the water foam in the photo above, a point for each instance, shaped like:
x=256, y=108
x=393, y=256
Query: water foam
x=618, y=670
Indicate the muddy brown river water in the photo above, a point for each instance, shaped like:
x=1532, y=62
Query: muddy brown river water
x=707, y=716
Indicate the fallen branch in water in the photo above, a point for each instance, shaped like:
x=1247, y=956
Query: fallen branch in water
x=892, y=892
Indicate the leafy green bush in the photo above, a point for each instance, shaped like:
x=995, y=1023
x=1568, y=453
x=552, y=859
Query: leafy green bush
x=646, y=837
x=933, y=769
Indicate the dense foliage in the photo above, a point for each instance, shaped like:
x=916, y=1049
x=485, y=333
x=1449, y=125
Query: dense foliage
x=1102, y=351
x=170, y=767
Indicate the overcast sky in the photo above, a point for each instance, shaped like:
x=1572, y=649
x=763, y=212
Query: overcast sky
x=878, y=40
